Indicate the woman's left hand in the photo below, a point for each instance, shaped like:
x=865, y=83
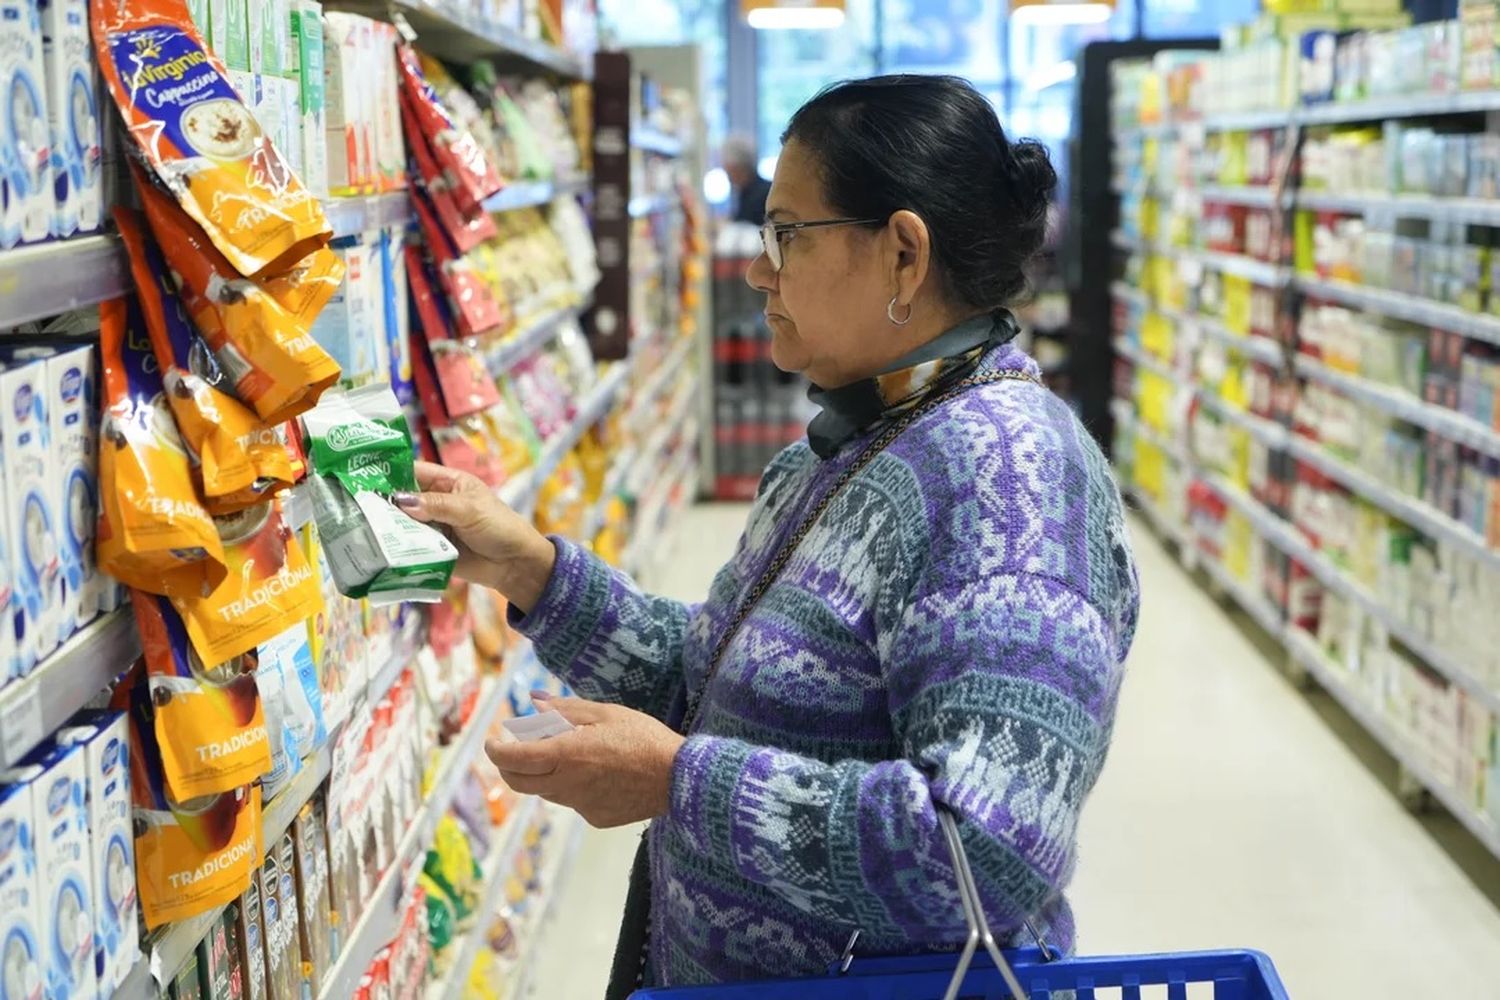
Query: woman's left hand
x=614, y=768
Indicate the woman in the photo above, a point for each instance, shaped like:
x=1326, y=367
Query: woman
x=950, y=631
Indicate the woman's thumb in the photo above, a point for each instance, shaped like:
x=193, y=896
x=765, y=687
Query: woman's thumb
x=427, y=506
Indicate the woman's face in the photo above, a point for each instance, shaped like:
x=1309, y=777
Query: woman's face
x=826, y=307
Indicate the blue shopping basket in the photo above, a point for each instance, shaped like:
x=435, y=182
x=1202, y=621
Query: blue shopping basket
x=1021, y=974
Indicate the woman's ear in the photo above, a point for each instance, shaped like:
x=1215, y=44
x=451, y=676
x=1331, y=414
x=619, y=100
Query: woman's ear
x=911, y=243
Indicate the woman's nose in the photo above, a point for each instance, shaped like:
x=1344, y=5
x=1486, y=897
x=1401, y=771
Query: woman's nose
x=761, y=276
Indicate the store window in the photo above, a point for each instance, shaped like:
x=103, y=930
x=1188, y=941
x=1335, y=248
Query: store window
x=795, y=65
x=678, y=22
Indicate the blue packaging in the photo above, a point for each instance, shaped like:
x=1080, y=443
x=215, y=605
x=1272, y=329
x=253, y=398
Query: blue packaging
x=397, y=320
x=73, y=103
x=32, y=523
x=26, y=132
x=20, y=897
x=72, y=407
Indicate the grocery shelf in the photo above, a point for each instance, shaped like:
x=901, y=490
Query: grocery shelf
x=651, y=140
x=1471, y=211
x=1309, y=654
x=1450, y=424
x=37, y=705
x=1246, y=121
x=43, y=279
x=362, y=213
x=1262, y=349
x=384, y=910
x=1253, y=196
x=1130, y=294
x=1397, y=106
x=1136, y=354
x=567, y=833
x=661, y=380
x=1173, y=530
x=1417, y=513
x=649, y=509
x=651, y=204
x=457, y=34
x=522, y=344
x=1267, y=432
x=495, y=868
x=1399, y=305
x=521, y=492
x=533, y=194
x=1262, y=611
x=1258, y=271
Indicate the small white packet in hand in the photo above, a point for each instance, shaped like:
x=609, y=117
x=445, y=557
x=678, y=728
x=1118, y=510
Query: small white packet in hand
x=528, y=728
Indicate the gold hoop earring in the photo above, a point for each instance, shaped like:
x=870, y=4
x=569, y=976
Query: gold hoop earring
x=890, y=313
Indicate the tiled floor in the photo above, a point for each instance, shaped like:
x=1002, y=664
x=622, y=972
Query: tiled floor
x=1229, y=814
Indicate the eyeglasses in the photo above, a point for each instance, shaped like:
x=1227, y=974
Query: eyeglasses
x=771, y=233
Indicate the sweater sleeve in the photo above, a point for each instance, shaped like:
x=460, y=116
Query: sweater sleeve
x=997, y=687
x=610, y=642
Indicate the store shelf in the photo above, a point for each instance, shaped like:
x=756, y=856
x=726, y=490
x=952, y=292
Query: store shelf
x=1312, y=658
x=534, y=194
x=1247, y=121
x=511, y=351
x=1133, y=351
x=651, y=140
x=567, y=833
x=1262, y=349
x=458, y=34
x=1267, y=432
x=1470, y=211
x=1397, y=106
x=37, y=705
x=1258, y=271
x=661, y=381
x=1450, y=424
x=496, y=867
x=1261, y=611
x=646, y=536
x=521, y=492
x=384, y=910
x=1130, y=294
x=1398, y=305
x=1420, y=515
x=44, y=279
x=360, y=214
x=1252, y=196
x=644, y=205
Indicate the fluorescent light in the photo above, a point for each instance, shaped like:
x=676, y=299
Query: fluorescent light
x=716, y=186
x=1051, y=76
x=792, y=18
x=1065, y=12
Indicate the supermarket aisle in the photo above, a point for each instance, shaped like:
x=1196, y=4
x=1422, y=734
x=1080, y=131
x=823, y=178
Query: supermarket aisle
x=1229, y=815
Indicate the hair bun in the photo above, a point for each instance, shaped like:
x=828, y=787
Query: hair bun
x=1029, y=170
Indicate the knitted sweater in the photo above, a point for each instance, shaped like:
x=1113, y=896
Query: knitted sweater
x=953, y=631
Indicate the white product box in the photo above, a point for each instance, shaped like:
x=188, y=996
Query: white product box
x=20, y=895
x=305, y=49
x=104, y=741
x=291, y=126
x=26, y=135
x=73, y=104
x=31, y=520
x=71, y=411
x=385, y=104
x=59, y=779
x=346, y=123
x=374, y=289
x=343, y=328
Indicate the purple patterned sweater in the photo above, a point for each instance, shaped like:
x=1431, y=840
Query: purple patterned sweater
x=953, y=631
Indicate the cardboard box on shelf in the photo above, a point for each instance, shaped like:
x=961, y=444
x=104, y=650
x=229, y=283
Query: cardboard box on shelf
x=26, y=208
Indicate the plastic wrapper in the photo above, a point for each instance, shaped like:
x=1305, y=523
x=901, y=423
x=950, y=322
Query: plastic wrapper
x=240, y=460
x=209, y=723
x=288, y=687
x=451, y=866
x=473, y=307
x=153, y=534
x=454, y=147
x=464, y=230
x=274, y=365
x=199, y=138
x=269, y=587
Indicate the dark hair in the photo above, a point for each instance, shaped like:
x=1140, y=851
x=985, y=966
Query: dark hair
x=934, y=145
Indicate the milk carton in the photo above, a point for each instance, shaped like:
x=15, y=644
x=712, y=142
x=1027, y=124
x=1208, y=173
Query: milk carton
x=345, y=328
x=346, y=126
x=31, y=525
x=9, y=661
x=103, y=739
x=26, y=135
x=73, y=106
x=305, y=51
x=21, y=971
x=71, y=413
x=64, y=854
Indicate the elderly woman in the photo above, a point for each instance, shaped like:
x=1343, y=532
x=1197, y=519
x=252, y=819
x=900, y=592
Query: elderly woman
x=930, y=606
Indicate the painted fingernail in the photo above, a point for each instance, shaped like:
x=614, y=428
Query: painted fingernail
x=408, y=500
x=541, y=695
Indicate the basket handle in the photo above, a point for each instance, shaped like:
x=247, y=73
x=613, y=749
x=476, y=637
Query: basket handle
x=979, y=927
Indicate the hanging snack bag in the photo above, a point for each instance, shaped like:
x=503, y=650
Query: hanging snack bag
x=474, y=307
x=153, y=532
x=454, y=368
x=453, y=146
x=307, y=286
x=466, y=230
x=462, y=444
x=240, y=461
x=210, y=725
x=192, y=856
x=273, y=363
x=269, y=588
x=362, y=452
x=199, y=138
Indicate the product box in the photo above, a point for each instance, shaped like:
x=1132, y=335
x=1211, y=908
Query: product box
x=20, y=893
x=345, y=124
x=188, y=983
x=234, y=959
x=313, y=909
x=305, y=56
x=32, y=526
x=73, y=105
x=103, y=740
x=257, y=13
x=72, y=412
x=202, y=18
x=346, y=328
x=385, y=101
x=278, y=884
x=397, y=318
x=213, y=963
x=374, y=289
x=231, y=29
x=26, y=212
x=9, y=651
x=291, y=125
x=247, y=916
x=60, y=778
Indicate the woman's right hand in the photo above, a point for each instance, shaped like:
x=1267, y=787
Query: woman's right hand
x=496, y=546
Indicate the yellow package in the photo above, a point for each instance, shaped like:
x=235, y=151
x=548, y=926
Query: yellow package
x=272, y=362
x=269, y=587
x=153, y=533
x=304, y=289
x=209, y=724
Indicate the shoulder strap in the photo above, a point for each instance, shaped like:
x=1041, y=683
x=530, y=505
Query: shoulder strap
x=784, y=554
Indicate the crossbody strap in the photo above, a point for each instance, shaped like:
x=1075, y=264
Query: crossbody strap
x=784, y=554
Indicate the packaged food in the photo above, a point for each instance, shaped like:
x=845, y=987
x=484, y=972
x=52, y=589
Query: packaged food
x=312, y=892
x=240, y=460
x=278, y=887
x=72, y=408
x=234, y=959
x=349, y=132
x=210, y=724
x=337, y=635
x=474, y=308
x=307, y=286
x=193, y=856
x=21, y=911
x=249, y=939
x=26, y=203
x=153, y=532
x=306, y=54
x=465, y=230
x=294, y=706
x=188, y=983
x=274, y=365
x=213, y=963
x=73, y=103
x=454, y=147
x=397, y=318
x=104, y=740
x=200, y=140
x=382, y=93
x=346, y=329
x=269, y=587
x=37, y=598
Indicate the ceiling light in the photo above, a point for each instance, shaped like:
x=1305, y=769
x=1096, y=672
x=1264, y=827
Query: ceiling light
x=793, y=18
x=1037, y=13
x=1051, y=76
